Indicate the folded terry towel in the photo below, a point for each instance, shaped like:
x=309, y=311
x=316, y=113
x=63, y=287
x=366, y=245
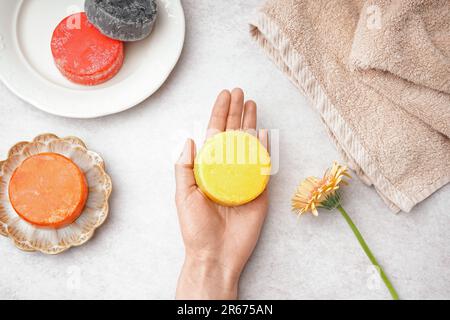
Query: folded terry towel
x=398, y=146
x=410, y=39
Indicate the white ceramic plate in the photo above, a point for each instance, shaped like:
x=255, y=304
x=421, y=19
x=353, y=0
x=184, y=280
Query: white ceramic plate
x=27, y=67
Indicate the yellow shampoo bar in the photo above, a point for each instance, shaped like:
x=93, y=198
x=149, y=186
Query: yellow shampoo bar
x=232, y=168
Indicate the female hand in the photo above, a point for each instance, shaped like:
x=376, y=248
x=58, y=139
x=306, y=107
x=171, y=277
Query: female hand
x=218, y=240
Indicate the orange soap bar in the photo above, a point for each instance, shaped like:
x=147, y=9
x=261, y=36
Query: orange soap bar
x=48, y=190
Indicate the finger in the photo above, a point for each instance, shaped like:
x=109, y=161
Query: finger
x=219, y=114
x=249, y=118
x=263, y=136
x=234, y=119
x=184, y=173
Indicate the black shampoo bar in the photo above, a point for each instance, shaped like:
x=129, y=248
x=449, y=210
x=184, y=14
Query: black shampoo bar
x=125, y=20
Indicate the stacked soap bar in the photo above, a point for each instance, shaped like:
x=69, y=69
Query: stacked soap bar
x=87, y=47
x=83, y=54
x=125, y=20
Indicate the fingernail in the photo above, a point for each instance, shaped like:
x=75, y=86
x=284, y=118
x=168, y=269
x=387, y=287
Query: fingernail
x=186, y=155
x=251, y=131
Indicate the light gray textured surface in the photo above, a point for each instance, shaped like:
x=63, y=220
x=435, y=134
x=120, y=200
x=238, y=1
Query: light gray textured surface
x=138, y=252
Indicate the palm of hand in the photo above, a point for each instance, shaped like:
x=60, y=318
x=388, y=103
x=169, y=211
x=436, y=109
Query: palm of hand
x=211, y=231
x=230, y=231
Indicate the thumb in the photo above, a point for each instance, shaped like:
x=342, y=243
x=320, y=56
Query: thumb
x=184, y=170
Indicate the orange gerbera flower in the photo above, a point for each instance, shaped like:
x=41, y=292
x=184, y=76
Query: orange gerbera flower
x=313, y=192
x=333, y=177
x=308, y=196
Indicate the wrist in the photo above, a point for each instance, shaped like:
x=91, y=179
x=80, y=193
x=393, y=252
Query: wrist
x=207, y=278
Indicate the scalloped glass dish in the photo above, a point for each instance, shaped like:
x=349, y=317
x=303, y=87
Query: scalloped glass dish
x=50, y=240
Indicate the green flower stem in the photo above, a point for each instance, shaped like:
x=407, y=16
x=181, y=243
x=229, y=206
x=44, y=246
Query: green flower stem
x=368, y=252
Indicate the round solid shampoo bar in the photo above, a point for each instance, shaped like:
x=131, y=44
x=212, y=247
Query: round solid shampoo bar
x=126, y=20
x=232, y=168
x=84, y=55
x=48, y=190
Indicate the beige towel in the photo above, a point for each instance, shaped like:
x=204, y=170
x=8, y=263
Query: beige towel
x=390, y=123
x=409, y=39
